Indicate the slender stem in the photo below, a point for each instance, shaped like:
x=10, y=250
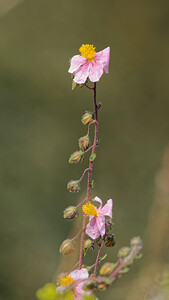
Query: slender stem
x=98, y=257
x=123, y=263
x=88, y=149
x=93, y=122
x=90, y=88
x=81, y=203
x=76, y=235
x=83, y=175
x=89, y=178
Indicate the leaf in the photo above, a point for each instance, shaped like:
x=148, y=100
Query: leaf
x=92, y=157
x=124, y=270
x=103, y=257
x=138, y=256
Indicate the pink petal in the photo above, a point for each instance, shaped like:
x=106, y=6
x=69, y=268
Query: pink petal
x=82, y=73
x=76, y=62
x=79, y=291
x=92, y=229
x=106, y=210
x=100, y=220
x=104, y=57
x=98, y=200
x=79, y=274
x=96, y=71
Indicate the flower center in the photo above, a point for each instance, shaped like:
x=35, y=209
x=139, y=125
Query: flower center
x=66, y=281
x=87, y=51
x=89, y=209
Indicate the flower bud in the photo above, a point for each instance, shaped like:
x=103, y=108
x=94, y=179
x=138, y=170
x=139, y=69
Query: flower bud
x=70, y=212
x=110, y=241
x=84, y=143
x=66, y=247
x=87, y=117
x=107, y=269
x=123, y=252
x=104, y=284
x=76, y=157
x=90, y=285
x=73, y=186
x=135, y=241
x=88, y=244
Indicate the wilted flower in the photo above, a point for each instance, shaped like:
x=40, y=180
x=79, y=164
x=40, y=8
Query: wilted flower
x=110, y=241
x=89, y=64
x=96, y=225
x=73, y=277
x=87, y=118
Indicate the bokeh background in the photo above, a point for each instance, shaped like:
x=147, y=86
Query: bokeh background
x=40, y=123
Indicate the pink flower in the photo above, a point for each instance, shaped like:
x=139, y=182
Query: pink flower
x=89, y=64
x=96, y=225
x=73, y=277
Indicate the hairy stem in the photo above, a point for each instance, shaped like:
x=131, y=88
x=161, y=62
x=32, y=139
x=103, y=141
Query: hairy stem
x=98, y=257
x=89, y=177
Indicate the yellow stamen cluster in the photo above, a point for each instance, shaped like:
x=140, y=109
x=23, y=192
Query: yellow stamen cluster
x=89, y=209
x=87, y=51
x=66, y=281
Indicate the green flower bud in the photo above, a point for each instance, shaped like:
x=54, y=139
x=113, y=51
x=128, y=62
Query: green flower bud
x=136, y=241
x=88, y=244
x=123, y=252
x=76, y=157
x=87, y=118
x=107, y=269
x=70, y=212
x=73, y=186
x=66, y=247
x=110, y=241
x=84, y=143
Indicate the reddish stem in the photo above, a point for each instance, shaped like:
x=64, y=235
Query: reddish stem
x=83, y=174
x=98, y=257
x=89, y=178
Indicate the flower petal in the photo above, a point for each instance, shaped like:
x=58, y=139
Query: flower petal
x=100, y=220
x=79, y=274
x=107, y=208
x=96, y=71
x=79, y=291
x=76, y=62
x=98, y=200
x=104, y=57
x=92, y=229
x=82, y=73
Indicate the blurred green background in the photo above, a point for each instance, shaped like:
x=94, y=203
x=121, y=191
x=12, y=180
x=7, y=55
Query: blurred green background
x=40, y=122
